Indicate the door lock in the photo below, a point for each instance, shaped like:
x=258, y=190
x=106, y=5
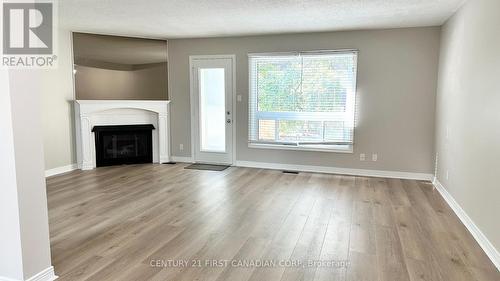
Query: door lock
x=228, y=121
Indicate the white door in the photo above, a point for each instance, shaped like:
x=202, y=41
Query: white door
x=211, y=109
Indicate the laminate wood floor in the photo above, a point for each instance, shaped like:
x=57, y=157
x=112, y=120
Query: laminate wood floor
x=163, y=222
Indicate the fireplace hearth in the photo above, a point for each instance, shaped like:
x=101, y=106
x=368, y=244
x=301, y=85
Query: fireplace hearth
x=123, y=144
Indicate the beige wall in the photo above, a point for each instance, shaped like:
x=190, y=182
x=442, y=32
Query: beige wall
x=56, y=90
x=467, y=121
x=396, y=93
x=148, y=83
x=397, y=81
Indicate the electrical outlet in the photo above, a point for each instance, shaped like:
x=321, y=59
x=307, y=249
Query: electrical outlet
x=374, y=157
x=238, y=98
x=181, y=146
x=362, y=157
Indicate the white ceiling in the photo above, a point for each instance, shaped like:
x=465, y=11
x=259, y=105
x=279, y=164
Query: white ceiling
x=208, y=18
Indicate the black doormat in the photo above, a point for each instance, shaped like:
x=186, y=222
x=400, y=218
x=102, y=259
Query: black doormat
x=207, y=167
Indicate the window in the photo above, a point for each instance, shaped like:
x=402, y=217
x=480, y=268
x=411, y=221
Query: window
x=302, y=100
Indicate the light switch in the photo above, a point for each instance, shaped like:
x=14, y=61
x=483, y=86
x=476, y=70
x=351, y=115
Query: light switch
x=238, y=98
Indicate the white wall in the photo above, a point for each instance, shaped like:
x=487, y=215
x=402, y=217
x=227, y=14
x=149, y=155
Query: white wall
x=11, y=265
x=397, y=76
x=468, y=113
x=24, y=238
x=28, y=143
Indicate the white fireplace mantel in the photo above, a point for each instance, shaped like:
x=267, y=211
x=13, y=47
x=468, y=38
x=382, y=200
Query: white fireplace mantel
x=90, y=113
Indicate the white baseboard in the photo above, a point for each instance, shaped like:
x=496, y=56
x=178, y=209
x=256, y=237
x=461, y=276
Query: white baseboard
x=44, y=275
x=182, y=159
x=7, y=279
x=335, y=170
x=60, y=170
x=47, y=275
x=481, y=239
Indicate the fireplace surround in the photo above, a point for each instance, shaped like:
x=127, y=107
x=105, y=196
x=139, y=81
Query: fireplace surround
x=90, y=114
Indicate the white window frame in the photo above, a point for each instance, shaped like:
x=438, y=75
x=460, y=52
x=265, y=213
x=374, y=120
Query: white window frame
x=335, y=148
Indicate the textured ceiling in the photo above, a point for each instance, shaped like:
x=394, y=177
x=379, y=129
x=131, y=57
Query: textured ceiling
x=208, y=18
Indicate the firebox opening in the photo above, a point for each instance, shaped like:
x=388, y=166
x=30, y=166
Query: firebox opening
x=123, y=144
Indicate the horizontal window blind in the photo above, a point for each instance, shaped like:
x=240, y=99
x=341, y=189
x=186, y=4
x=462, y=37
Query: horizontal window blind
x=302, y=98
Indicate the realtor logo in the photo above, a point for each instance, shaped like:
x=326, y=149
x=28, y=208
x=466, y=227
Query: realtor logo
x=27, y=28
x=28, y=34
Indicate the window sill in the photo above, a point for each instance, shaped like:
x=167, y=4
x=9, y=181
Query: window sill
x=316, y=148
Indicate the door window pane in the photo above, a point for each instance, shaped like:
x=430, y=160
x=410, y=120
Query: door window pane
x=212, y=110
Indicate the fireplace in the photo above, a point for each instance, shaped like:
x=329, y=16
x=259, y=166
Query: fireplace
x=123, y=144
x=97, y=113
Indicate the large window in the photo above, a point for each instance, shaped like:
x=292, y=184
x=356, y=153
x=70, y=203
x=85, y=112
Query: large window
x=303, y=100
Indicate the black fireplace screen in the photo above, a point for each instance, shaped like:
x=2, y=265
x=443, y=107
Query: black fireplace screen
x=124, y=144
